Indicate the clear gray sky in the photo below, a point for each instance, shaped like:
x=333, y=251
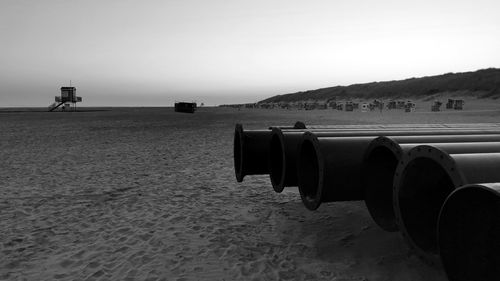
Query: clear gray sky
x=154, y=52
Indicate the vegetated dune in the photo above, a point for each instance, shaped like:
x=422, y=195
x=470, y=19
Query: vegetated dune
x=149, y=194
x=483, y=83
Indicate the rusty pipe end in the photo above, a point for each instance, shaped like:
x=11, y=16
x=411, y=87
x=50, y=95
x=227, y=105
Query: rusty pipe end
x=310, y=167
x=238, y=152
x=380, y=161
x=424, y=178
x=469, y=231
x=277, y=160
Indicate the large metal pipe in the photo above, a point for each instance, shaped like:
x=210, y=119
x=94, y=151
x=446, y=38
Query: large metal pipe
x=251, y=150
x=283, y=153
x=251, y=147
x=416, y=125
x=284, y=147
x=423, y=180
x=285, y=144
x=338, y=163
x=469, y=233
x=329, y=168
x=384, y=153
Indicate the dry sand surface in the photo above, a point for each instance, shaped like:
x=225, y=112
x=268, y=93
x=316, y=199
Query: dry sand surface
x=149, y=194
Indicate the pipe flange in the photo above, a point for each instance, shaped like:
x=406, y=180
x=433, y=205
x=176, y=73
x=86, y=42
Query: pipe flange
x=417, y=197
x=374, y=197
x=310, y=190
x=238, y=156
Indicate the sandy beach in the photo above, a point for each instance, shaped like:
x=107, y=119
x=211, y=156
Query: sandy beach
x=150, y=194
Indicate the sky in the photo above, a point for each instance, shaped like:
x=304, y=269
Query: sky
x=156, y=52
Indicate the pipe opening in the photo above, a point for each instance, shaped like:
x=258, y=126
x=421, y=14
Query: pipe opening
x=469, y=227
x=424, y=187
x=380, y=167
x=237, y=154
x=277, y=163
x=308, y=175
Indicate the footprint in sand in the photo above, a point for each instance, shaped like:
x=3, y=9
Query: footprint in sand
x=287, y=265
x=177, y=219
x=60, y=276
x=149, y=224
x=252, y=268
x=122, y=249
x=287, y=275
x=132, y=241
x=122, y=230
x=145, y=237
x=198, y=269
x=78, y=255
x=96, y=274
x=93, y=264
x=66, y=263
x=347, y=240
x=325, y=273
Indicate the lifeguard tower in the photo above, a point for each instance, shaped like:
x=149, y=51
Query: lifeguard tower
x=67, y=97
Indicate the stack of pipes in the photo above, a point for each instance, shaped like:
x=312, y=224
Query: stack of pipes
x=438, y=184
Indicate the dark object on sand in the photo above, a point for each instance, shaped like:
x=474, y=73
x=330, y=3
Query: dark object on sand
x=186, y=107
